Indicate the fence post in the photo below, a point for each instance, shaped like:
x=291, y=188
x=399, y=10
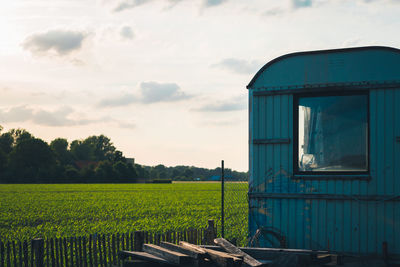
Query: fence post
x=138, y=241
x=38, y=247
x=210, y=233
x=222, y=199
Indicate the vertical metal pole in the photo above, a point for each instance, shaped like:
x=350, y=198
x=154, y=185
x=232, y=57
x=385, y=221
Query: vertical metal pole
x=222, y=200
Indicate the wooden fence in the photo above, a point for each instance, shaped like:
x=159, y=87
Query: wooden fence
x=90, y=251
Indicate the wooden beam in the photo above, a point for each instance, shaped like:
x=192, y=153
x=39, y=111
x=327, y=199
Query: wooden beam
x=222, y=259
x=191, y=253
x=123, y=254
x=194, y=248
x=169, y=255
x=225, y=244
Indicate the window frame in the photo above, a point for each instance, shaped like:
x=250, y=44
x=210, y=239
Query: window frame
x=330, y=174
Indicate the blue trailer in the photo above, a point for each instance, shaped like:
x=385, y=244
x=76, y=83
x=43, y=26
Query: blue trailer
x=324, y=151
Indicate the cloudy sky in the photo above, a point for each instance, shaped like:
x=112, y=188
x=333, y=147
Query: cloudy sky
x=164, y=79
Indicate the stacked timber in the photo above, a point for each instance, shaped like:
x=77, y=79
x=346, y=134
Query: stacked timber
x=187, y=254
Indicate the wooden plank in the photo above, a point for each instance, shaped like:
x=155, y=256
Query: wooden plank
x=117, y=239
x=131, y=235
x=123, y=241
x=76, y=252
x=109, y=251
x=31, y=258
x=71, y=248
x=65, y=252
x=14, y=254
x=225, y=244
x=1, y=254
x=47, y=253
x=9, y=254
x=138, y=241
x=169, y=255
x=104, y=250
x=114, y=254
x=127, y=241
x=57, y=251
x=84, y=252
x=60, y=243
x=20, y=253
x=141, y=256
x=95, y=251
x=25, y=248
x=194, y=248
x=80, y=251
x=220, y=258
x=38, y=249
x=90, y=251
x=101, y=261
x=53, y=264
x=186, y=251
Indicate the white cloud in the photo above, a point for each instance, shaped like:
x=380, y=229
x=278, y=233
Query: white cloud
x=58, y=117
x=234, y=104
x=240, y=66
x=59, y=42
x=211, y=3
x=301, y=3
x=129, y=4
x=119, y=101
x=149, y=92
x=153, y=92
x=126, y=32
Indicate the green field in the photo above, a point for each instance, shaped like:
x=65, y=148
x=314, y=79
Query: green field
x=65, y=210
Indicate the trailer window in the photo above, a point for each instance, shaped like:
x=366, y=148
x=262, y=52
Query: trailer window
x=333, y=133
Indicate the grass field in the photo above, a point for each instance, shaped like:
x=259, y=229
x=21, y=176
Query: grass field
x=65, y=210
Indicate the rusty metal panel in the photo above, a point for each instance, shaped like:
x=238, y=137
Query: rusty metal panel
x=352, y=213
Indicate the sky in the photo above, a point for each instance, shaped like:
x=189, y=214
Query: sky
x=164, y=79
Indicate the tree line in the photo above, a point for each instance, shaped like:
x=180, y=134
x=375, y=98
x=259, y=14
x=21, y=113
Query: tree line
x=27, y=159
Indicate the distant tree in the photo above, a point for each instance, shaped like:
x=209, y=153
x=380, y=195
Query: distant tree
x=102, y=147
x=104, y=171
x=20, y=135
x=3, y=166
x=71, y=173
x=6, y=142
x=141, y=172
x=121, y=170
x=87, y=174
x=118, y=156
x=60, y=149
x=31, y=160
x=175, y=173
x=81, y=150
x=188, y=173
x=161, y=171
x=132, y=172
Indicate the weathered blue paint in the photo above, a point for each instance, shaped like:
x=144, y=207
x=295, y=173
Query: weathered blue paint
x=352, y=214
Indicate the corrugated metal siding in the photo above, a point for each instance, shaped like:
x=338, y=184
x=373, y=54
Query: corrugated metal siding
x=356, y=226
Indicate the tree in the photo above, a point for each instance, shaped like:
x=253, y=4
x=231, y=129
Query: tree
x=20, y=135
x=104, y=171
x=31, y=160
x=6, y=142
x=102, y=147
x=121, y=170
x=60, y=149
x=188, y=173
x=141, y=172
x=71, y=173
x=3, y=165
x=81, y=150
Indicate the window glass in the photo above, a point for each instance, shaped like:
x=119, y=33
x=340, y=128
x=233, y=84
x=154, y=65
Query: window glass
x=333, y=133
